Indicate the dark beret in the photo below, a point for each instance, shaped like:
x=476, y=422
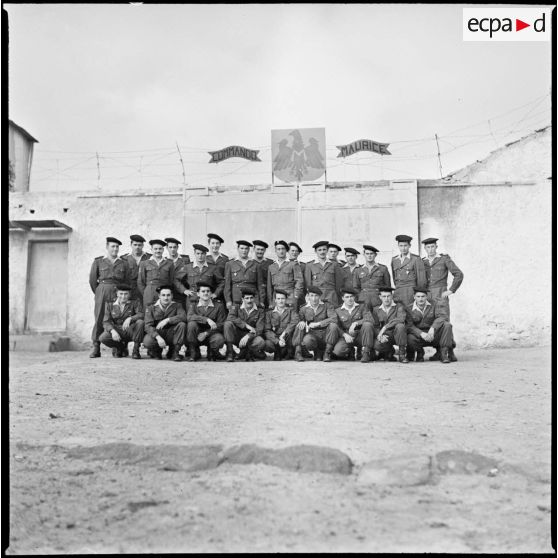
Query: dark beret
x=369, y=247
x=429, y=240
x=204, y=284
x=320, y=243
x=171, y=239
x=157, y=241
x=261, y=243
x=137, y=238
x=403, y=238
x=282, y=243
x=338, y=248
x=159, y=289
x=243, y=243
x=315, y=290
x=348, y=290
x=420, y=290
x=385, y=289
x=281, y=291
x=200, y=247
x=123, y=287
x=352, y=251
x=216, y=237
x=296, y=246
x=247, y=291
x=115, y=240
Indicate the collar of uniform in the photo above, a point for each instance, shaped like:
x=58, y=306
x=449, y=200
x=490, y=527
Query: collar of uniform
x=243, y=307
x=415, y=306
x=237, y=259
x=349, y=310
x=205, y=264
x=281, y=262
x=349, y=267
x=319, y=262
x=389, y=307
x=402, y=257
x=433, y=258
x=209, y=304
x=158, y=303
x=277, y=310
x=310, y=306
x=370, y=266
x=121, y=306
x=215, y=257
x=174, y=260
x=157, y=262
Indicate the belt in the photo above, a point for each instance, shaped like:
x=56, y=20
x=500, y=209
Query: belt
x=107, y=282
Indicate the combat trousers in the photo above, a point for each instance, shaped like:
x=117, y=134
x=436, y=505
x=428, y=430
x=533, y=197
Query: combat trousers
x=442, y=338
x=215, y=339
x=404, y=294
x=396, y=336
x=370, y=297
x=173, y=335
x=272, y=342
x=105, y=292
x=435, y=294
x=134, y=333
x=234, y=334
x=364, y=339
x=315, y=338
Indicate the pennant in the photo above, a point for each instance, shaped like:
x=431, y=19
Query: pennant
x=363, y=145
x=234, y=151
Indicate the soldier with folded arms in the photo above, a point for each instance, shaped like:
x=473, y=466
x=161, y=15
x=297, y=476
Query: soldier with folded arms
x=428, y=326
x=123, y=323
x=389, y=327
x=165, y=325
x=206, y=318
x=280, y=323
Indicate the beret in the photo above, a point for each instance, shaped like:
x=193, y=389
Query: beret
x=348, y=290
x=420, y=290
x=429, y=240
x=403, y=238
x=243, y=243
x=352, y=251
x=200, y=247
x=320, y=243
x=247, y=291
x=157, y=241
x=123, y=287
x=159, y=289
x=137, y=238
x=171, y=239
x=204, y=284
x=330, y=245
x=115, y=240
x=282, y=243
x=261, y=243
x=216, y=237
x=369, y=247
x=296, y=246
x=281, y=291
x=315, y=290
x=385, y=289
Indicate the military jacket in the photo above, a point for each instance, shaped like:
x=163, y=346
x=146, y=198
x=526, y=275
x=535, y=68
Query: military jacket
x=238, y=275
x=276, y=323
x=434, y=315
x=154, y=313
x=437, y=272
x=325, y=314
x=370, y=279
x=328, y=277
x=134, y=267
x=388, y=320
x=346, y=319
x=220, y=263
x=191, y=274
x=152, y=274
x=199, y=313
x=350, y=277
x=288, y=277
x=240, y=318
x=410, y=273
x=115, y=316
x=105, y=271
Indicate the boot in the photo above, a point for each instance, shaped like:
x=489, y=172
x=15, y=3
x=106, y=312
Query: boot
x=327, y=353
x=365, y=355
x=96, y=350
x=452, y=356
x=170, y=352
x=135, y=351
x=298, y=354
x=175, y=355
x=351, y=352
x=277, y=353
x=125, y=352
x=230, y=353
x=305, y=352
x=444, y=355
x=410, y=354
x=318, y=354
x=403, y=354
x=116, y=352
x=192, y=349
x=359, y=353
x=420, y=355
x=157, y=353
x=390, y=356
x=436, y=355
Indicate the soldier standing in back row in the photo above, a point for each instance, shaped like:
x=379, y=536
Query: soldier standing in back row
x=408, y=271
x=133, y=259
x=259, y=256
x=325, y=274
x=350, y=269
x=106, y=272
x=370, y=277
x=285, y=275
x=294, y=252
x=180, y=261
x=243, y=272
x=154, y=272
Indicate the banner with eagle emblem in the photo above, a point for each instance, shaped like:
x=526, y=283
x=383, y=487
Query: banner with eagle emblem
x=298, y=155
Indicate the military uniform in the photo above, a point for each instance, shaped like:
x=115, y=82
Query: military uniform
x=286, y=276
x=152, y=275
x=328, y=277
x=275, y=325
x=264, y=266
x=434, y=315
x=219, y=263
x=364, y=336
x=239, y=276
x=192, y=273
x=316, y=339
x=392, y=321
x=173, y=333
x=114, y=318
x=407, y=274
x=103, y=278
x=133, y=268
x=198, y=314
x=437, y=276
x=179, y=265
x=368, y=280
x=235, y=327
x=350, y=276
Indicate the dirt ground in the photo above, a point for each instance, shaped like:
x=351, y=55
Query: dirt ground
x=493, y=402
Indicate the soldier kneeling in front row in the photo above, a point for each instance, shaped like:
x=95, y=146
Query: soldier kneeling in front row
x=428, y=326
x=123, y=322
x=280, y=323
x=165, y=325
x=206, y=318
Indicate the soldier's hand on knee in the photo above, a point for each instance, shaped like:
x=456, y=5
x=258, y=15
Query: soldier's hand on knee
x=352, y=329
x=250, y=329
x=162, y=323
x=161, y=342
x=424, y=336
x=211, y=323
x=202, y=336
x=301, y=325
x=126, y=324
x=383, y=338
x=282, y=342
x=243, y=341
x=115, y=335
x=348, y=338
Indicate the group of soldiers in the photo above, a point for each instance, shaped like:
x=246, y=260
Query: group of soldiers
x=324, y=309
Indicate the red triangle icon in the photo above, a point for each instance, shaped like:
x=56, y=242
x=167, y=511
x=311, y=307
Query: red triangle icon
x=519, y=25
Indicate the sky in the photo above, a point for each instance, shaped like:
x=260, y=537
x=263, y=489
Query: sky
x=113, y=92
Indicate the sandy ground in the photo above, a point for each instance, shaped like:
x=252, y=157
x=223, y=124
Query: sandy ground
x=493, y=402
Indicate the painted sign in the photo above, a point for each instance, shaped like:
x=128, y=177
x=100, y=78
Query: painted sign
x=363, y=145
x=234, y=151
x=298, y=154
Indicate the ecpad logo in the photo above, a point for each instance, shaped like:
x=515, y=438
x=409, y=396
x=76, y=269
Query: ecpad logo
x=506, y=24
